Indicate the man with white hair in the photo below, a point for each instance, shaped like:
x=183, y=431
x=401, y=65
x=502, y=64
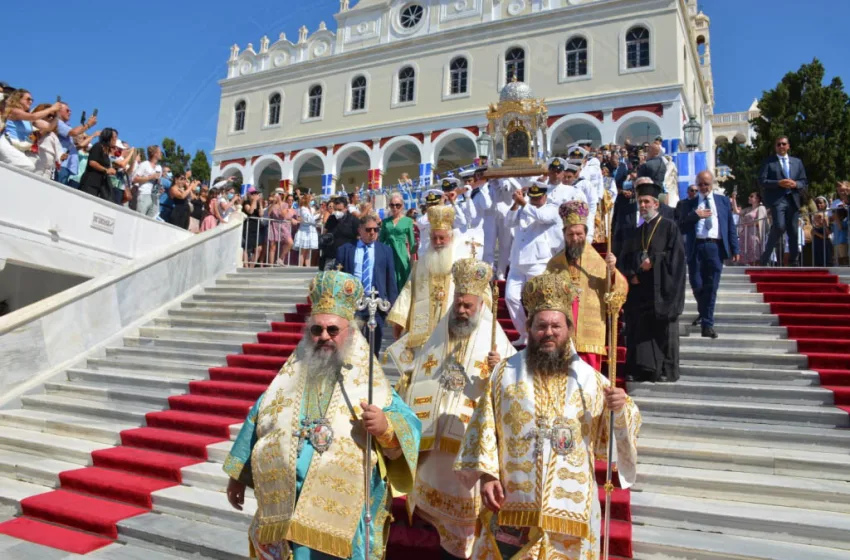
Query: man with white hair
x=302, y=446
x=433, y=197
x=442, y=388
x=429, y=290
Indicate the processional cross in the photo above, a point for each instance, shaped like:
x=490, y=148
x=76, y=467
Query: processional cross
x=472, y=247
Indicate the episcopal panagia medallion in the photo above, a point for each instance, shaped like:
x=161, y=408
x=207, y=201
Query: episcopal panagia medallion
x=321, y=435
x=453, y=377
x=561, y=436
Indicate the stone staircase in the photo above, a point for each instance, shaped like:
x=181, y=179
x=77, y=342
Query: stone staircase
x=744, y=458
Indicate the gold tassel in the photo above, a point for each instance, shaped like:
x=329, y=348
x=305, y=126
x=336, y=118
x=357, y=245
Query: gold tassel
x=322, y=542
x=548, y=523
x=449, y=445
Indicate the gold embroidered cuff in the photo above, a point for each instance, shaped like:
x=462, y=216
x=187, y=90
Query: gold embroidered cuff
x=388, y=439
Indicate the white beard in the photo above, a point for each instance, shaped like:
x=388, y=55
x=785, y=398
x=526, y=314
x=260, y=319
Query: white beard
x=465, y=329
x=649, y=215
x=438, y=262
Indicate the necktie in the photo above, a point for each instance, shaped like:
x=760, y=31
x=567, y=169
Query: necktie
x=785, y=167
x=708, y=221
x=366, y=270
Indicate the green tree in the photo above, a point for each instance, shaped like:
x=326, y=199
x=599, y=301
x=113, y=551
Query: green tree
x=816, y=119
x=201, y=166
x=175, y=157
x=744, y=163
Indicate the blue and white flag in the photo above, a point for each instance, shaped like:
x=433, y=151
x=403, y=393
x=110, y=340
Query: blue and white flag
x=671, y=146
x=327, y=183
x=689, y=164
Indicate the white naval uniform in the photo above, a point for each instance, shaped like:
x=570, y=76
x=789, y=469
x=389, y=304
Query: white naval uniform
x=478, y=204
x=502, y=198
x=591, y=175
x=530, y=253
x=460, y=227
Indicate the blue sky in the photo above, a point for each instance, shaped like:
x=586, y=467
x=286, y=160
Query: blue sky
x=152, y=68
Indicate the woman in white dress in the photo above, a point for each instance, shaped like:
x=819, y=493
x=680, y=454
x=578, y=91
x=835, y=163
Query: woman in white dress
x=307, y=238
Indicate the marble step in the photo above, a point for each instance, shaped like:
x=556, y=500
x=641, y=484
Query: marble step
x=200, y=334
x=258, y=315
x=206, y=506
x=734, y=393
x=295, y=272
x=13, y=491
x=140, y=398
x=247, y=297
x=664, y=543
x=190, y=347
x=729, y=297
x=224, y=322
x=770, y=522
x=737, y=358
x=209, y=476
x=281, y=289
x=742, y=375
x=52, y=446
x=235, y=304
x=184, y=537
x=120, y=551
x=104, y=431
x=126, y=380
x=731, y=456
x=241, y=280
x=171, y=354
x=733, y=432
x=723, y=307
x=34, y=469
x=756, y=488
x=738, y=343
x=744, y=331
x=732, y=317
x=119, y=411
x=769, y=413
x=154, y=366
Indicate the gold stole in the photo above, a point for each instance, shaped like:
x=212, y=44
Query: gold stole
x=330, y=506
x=445, y=414
x=591, y=323
x=546, y=490
x=423, y=301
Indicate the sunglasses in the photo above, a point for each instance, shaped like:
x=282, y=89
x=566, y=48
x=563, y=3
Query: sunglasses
x=703, y=184
x=396, y=205
x=333, y=330
x=782, y=143
x=692, y=190
x=371, y=229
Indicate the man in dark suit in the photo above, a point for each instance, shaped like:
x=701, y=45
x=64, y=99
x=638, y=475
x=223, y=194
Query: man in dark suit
x=617, y=169
x=372, y=263
x=655, y=167
x=342, y=227
x=782, y=179
x=711, y=237
x=683, y=205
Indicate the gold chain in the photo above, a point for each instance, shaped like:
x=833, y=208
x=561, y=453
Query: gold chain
x=643, y=243
x=551, y=408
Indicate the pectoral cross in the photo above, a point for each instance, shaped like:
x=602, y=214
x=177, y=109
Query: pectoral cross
x=472, y=247
x=539, y=435
x=429, y=364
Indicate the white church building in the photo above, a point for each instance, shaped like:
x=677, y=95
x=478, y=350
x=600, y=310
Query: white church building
x=402, y=86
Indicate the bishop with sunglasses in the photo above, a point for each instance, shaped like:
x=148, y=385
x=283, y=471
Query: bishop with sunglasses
x=371, y=262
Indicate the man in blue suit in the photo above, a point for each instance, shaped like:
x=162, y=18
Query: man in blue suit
x=372, y=263
x=710, y=238
x=782, y=179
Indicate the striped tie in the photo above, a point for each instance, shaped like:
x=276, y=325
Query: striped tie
x=366, y=271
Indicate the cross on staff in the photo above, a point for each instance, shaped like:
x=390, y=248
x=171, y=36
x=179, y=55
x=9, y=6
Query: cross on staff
x=472, y=245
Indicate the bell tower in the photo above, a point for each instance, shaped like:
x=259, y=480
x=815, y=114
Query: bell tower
x=701, y=25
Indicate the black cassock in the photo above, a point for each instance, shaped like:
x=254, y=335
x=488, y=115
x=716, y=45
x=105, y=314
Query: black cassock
x=654, y=305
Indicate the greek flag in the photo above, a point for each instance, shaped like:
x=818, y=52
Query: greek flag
x=689, y=164
x=671, y=146
x=327, y=183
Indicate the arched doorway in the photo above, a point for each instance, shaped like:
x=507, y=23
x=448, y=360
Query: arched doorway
x=267, y=176
x=638, y=131
x=234, y=171
x=454, y=149
x=573, y=132
x=307, y=171
x=401, y=156
x=352, y=169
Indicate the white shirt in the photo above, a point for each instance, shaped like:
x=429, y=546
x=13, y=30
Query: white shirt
x=562, y=193
x=534, y=233
x=707, y=228
x=785, y=163
x=144, y=169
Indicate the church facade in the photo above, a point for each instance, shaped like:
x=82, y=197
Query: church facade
x=402, y=86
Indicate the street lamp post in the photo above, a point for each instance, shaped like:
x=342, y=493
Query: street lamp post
x=485, y=147
x=693, y=132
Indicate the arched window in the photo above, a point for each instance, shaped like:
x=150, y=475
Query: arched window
x=577, y=57
x=459, y=75
x=358, y=93
x=274, y=109
x=239, y=117
x=406, y=83
x=515, y=65
x=637, y=47
x=315, y=106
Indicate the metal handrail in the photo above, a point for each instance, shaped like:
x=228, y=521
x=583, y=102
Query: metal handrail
x=262, y=225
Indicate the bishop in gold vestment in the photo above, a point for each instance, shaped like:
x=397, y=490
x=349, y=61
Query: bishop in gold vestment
x=302, y=446
x=533, y=439
x=589, y=273
x=449, y=377
x=427, y=296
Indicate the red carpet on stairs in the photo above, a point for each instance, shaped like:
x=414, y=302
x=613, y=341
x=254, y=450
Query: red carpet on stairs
x=815, y=309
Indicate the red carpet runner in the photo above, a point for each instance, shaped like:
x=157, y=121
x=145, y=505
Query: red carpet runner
x=815, y=308
x=82, y=515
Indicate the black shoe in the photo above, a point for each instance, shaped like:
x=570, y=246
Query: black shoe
x=696, y=321
x=708, y=332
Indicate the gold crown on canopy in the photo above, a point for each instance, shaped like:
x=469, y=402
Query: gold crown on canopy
x=472, y=276
x=336, y=293
x=553, y=291
x=441, y=217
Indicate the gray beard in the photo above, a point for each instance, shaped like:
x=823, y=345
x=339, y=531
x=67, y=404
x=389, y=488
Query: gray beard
x=463, y=328
x=438, y=262
x=318, y=363
x=649, y=215
x=545, y=362
x=574, y=253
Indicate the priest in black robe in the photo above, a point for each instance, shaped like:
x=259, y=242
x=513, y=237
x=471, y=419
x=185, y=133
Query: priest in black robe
x=653, y=261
